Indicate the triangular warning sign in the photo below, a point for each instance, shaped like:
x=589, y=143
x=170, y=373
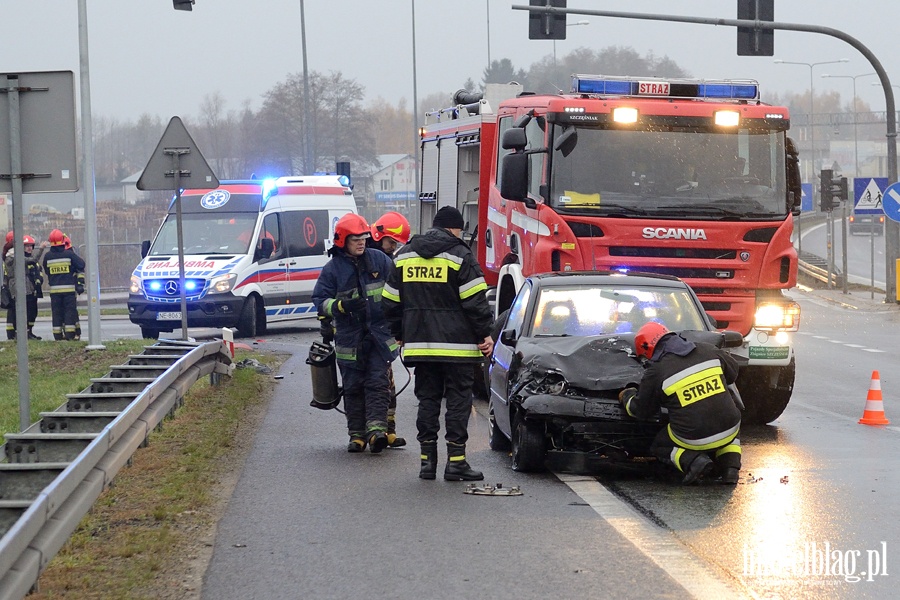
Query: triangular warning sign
x=870, y=198
x=177, y=153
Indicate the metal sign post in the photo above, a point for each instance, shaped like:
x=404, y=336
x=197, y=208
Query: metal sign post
x=178, y=161
x=45, y=164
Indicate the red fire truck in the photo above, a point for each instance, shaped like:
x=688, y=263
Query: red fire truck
x=691, y=178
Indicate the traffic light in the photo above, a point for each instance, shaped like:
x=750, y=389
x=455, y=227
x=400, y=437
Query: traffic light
x=752, y=41
x=832, y=191
x=183, y=4
x=544, y=26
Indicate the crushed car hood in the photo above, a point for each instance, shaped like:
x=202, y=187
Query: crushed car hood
x=593, y=363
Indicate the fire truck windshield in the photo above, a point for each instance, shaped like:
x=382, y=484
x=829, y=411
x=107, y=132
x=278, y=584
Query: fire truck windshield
x=690, y=174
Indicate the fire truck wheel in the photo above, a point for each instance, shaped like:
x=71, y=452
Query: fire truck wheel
x=766, y=392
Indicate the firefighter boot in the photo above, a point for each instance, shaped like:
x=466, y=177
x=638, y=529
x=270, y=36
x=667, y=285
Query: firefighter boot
x=700, y=468
x=457, y=468
x=394, y=441
x=31, y=335
x=429, y=460
x=377, y=439
x=357, y=443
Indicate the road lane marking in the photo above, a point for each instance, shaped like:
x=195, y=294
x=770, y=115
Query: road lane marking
x=872, y=350
x=837, y=415
x=696, y=576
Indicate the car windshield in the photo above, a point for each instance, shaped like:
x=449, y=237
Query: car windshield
x=691, y=174
x=222, y=233
x=583, y=311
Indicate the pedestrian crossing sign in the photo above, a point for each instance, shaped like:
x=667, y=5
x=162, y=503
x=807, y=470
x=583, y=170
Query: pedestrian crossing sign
x=867, y=195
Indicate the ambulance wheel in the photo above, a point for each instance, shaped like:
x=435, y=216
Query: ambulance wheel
x=149, y=333
x=247, y=322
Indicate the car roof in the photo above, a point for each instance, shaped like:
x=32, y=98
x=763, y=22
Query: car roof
x=607, y=278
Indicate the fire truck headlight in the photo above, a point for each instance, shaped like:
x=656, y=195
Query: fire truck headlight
x=135, y=285
x=222, y=284
x=625, y=114
x=778, y=317
x=728, y=118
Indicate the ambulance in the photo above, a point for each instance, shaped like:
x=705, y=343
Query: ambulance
x=252, y=253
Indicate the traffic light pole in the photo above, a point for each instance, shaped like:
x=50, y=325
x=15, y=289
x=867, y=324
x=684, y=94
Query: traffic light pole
x=891, y=228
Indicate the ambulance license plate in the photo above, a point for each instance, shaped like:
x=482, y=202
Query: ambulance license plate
x=168, y=316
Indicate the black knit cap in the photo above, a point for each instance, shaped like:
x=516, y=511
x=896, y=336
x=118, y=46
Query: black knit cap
x=449, y=218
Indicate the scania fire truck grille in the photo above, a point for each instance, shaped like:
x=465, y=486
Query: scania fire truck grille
x=682, y=272
x=704, y=253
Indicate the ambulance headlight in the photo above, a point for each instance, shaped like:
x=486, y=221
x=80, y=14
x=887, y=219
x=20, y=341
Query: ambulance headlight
x=222, y=284
x=135, y=285
x=778, y=317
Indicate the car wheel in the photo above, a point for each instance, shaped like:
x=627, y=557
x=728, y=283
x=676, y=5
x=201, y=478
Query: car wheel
x=528, y=446
x=148, y=333
x=496, y=439
x=247, y=322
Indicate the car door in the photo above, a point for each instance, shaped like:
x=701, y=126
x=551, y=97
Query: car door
x=273, y=270
x=305, y=235
x=502, y=357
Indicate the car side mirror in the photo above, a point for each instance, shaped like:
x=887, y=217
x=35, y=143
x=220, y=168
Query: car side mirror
x=145, y=248
x=732, y=339
x=508, y=337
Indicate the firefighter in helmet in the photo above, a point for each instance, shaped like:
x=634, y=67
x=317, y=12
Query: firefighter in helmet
x=34, y=279
x=389, y=232
x=68, y=246
x=690, y=380
x=8, y=243
x=65, y=274
x=348, y=291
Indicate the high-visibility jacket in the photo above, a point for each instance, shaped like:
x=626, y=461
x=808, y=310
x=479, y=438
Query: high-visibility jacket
x=32, y=270
x=345, y=277
x=64, y=269
x=436, y=300
x=691, y=383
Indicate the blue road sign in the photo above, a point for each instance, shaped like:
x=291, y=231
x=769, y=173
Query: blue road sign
x=806, y=199
x=867, y=195
x=891, y=202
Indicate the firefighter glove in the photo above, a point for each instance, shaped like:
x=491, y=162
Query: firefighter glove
x=627, y=394
x=353, y=305
x=326, y=330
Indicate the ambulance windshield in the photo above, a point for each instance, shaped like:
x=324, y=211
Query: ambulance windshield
x=691, y=174
x=222, y=233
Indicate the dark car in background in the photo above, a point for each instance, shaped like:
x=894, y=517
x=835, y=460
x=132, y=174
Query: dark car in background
x=861, y=223
x=566, y=350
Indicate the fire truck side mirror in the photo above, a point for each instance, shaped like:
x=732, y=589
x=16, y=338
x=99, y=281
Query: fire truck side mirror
x=795, y=192
x=566, y=141
x=514, y=139
x=514, y=178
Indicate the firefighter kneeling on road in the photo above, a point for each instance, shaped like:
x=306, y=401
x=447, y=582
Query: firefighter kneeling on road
x=65, y=275
x=690, y=380
x=349, y=292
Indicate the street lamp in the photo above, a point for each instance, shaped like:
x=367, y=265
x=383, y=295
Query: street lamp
x=575, y=24
x=812, y=129
x=855, y=113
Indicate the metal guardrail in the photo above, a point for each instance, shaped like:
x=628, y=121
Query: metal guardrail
x=57, y=468
x=817, y=268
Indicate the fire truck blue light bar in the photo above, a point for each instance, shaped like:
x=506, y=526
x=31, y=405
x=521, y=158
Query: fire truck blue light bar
x=677, y=88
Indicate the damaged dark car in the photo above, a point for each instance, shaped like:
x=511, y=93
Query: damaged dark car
x=565, y=351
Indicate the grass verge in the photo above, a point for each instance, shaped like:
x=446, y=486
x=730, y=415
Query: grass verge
x=150, y=535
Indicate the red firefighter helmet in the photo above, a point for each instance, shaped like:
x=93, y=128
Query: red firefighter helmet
x=10, y=236
x=647, y=337
x=57, y=238
x=66, y=241
x=27, y=239
x=392, y=225
x=349, y=224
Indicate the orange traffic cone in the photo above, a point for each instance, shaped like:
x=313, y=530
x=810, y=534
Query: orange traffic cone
x=874, y=412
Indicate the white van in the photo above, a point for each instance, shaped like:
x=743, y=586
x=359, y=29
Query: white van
x=252, y=253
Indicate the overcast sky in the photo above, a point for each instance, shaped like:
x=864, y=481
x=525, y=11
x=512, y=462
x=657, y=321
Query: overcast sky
x=146, y=57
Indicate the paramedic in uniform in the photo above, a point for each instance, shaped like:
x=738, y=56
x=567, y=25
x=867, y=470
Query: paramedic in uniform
x=437, y=307
x=691, y=380
x=349, y=291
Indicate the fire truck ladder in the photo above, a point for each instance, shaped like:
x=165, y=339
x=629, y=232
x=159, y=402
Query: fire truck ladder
x=55, y=470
